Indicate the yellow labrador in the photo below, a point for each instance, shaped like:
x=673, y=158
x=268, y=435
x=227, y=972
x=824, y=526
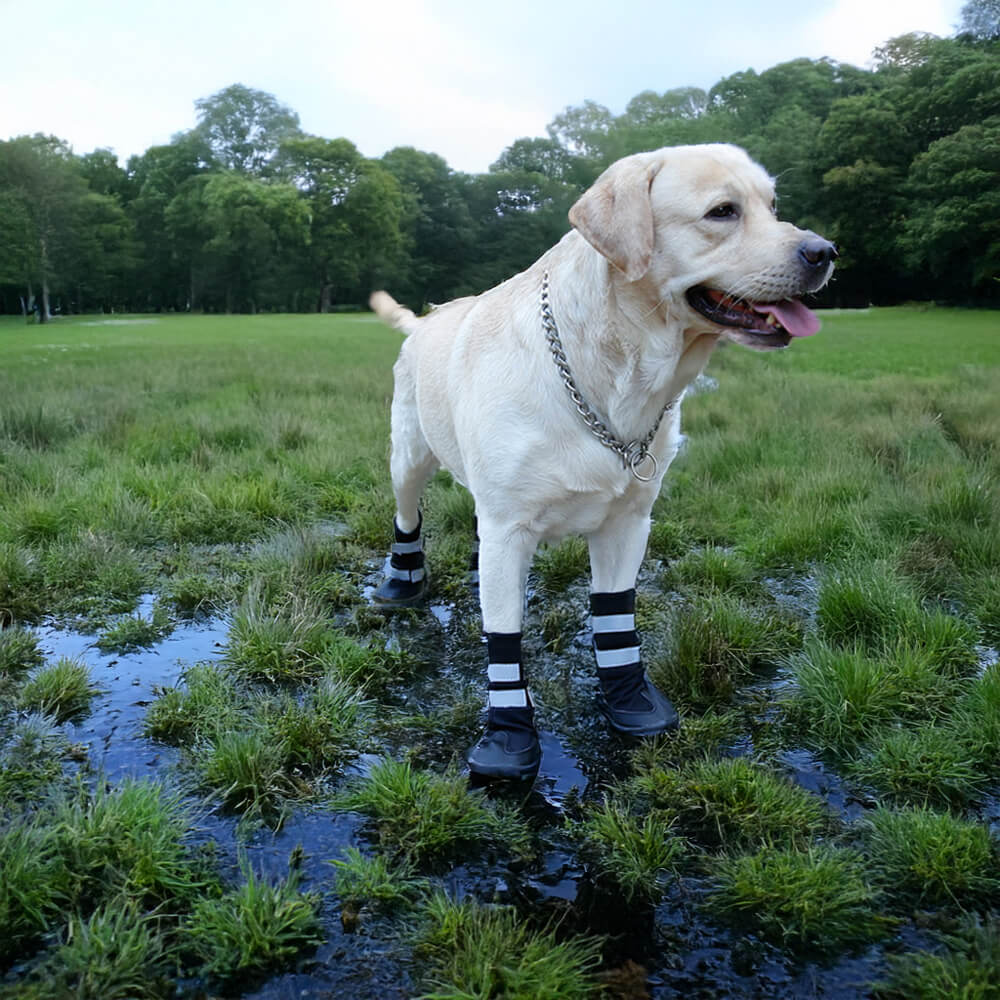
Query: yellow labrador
x=555, y=399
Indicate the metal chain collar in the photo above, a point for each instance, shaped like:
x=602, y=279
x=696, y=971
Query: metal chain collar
x=635, y=454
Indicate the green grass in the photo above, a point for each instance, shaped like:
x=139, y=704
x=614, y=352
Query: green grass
x=133, y=632
x=19, y=652
x=933, y=857
x=476, y=952
x=829, y=541
x=930, y=765
x=636, y=853
x=967, y=967
x=116, y=953
x=735, y=803
x=373, y=881
x=817, y=899
x=256, y=928
x=714, y=646
x=63, y=689
x=130, y=839
x=420, y=815
x=31, y=756
x=210, y=701
x=844, y=695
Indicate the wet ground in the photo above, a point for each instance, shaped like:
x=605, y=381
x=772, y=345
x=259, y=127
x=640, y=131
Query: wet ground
x=672, y=951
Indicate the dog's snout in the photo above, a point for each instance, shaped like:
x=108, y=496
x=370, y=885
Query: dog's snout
x=816, y=252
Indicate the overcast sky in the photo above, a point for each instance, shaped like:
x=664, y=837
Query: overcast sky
x=461, y=78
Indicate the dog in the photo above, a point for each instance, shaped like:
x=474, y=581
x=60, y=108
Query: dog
x=555, y=399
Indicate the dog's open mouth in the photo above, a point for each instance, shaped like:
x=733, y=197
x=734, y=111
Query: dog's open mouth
x=755, y=324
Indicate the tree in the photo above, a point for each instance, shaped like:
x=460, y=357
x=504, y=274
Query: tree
x=953, y=228
x=244, y=128
x=44, y=189
x=166, y=275
x=980, y=20
x=436, y=224
x=251, y=225
x=355, y=208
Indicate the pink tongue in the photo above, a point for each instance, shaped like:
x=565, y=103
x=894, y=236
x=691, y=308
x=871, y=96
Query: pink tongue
x=792, y=315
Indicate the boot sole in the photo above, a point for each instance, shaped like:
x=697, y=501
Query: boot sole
x=404, y=602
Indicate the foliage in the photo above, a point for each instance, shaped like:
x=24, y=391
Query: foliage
x=476, y=952
x=256, y=928
x=245, y=212
x=815, y=899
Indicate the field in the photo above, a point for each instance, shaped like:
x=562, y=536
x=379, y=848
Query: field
x=222, y=772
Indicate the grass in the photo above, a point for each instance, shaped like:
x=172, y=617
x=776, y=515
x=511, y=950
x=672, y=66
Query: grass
x=130, y=839
x=373, y=881
x=30, y=758
x=816, y=899
x=966, y=968
x=63, y=689
x=845, y=695
x=932, y=765
x=715, y=645
x=132, y=632
x=19, y=651
x=476, y=952
x=419, y=815
x=829, y=541
x=256, y=928
x=734, y=803
x=932, y=857
x=636, y=853
x=115, y=953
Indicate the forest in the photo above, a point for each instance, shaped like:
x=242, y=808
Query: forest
x=898, y=163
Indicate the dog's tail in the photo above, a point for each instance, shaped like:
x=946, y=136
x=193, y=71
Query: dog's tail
x=390, y=311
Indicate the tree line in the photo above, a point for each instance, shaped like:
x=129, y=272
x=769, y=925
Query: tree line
x=899, y=164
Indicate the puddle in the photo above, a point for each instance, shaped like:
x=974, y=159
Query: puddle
x=112, y=732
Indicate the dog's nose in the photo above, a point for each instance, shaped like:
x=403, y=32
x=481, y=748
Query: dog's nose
x=816, y=252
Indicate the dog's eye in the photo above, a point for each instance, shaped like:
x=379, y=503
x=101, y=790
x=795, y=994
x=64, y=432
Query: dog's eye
x=727, y=210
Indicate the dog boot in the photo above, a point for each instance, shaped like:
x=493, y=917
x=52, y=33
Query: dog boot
x=509, y=747
x=631, y=702
x=405, y=582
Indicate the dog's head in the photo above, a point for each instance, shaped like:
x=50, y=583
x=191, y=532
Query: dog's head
x=699, y=224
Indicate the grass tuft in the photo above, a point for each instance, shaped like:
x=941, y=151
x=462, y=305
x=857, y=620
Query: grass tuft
x=19, y=651
x=30, y=757
x=635, y=853
x=715, y=644
x=967, y=968
x=819, y=898
x=928, y=766
x=419, y=814
x=255, y=929
x=477, y=951
x=932, y=857
x=363, y=881
x=736, y=803
x=117, y=953
x=557, y=566
x=63, y=690
x=208, y=702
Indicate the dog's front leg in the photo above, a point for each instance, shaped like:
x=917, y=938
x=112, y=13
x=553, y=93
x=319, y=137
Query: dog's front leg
x=631, y=702
x=509, y=746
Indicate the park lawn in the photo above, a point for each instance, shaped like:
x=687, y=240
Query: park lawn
x=822, y=585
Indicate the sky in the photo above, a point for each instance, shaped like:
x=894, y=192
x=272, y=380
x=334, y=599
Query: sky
x=460, y=78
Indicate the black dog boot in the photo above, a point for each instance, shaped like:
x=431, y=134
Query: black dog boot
x=508, y=749
x=405, y=582
x=631, y=702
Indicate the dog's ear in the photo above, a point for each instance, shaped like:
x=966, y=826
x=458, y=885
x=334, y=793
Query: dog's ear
x=615, y=215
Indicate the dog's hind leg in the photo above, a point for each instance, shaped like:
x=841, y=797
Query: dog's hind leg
x=412, y=464
x=509, y=747
x=631, y=702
